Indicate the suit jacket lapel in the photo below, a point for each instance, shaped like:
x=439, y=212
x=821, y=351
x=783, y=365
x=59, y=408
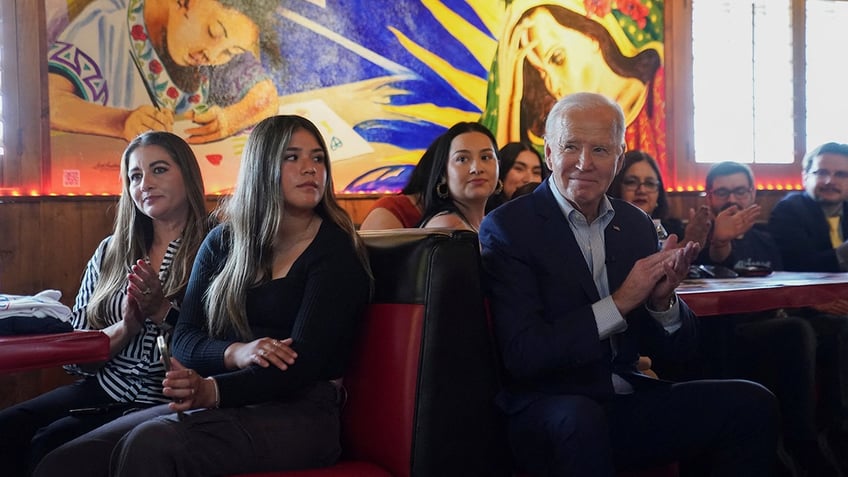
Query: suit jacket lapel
x=560, y=238
x=616, y=239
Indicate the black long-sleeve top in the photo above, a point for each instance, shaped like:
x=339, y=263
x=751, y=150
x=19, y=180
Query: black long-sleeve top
x=318, y=304
x=756, y=247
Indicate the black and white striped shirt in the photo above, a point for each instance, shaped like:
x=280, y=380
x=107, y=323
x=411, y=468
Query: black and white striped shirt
x=135, y=374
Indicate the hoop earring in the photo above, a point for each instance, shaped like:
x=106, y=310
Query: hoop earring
x=498, y=188
x=442, y=190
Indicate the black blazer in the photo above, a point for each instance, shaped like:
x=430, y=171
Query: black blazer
x=541, y=292
x=798, y=225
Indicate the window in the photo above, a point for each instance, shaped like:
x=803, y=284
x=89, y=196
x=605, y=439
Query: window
x=827, y=96
x=755, y=81
x=742, y=80
x=21, y=122
x=2, y=91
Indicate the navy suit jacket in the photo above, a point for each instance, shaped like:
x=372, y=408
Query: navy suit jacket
x=541, y=294
x=798, y=225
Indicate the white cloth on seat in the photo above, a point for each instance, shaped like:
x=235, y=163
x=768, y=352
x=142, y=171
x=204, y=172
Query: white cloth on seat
x=44, y=304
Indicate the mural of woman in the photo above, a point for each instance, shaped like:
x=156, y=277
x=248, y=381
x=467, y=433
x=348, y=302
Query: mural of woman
x=549, y=49
x=122, y=67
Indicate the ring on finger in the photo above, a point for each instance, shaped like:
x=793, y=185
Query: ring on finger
x=146, y=292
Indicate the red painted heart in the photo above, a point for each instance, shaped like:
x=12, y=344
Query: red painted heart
x=214, y=159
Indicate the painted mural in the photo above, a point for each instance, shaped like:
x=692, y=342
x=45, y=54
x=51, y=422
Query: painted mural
x=381, y=78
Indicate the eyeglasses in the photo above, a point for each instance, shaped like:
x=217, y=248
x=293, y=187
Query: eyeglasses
x=633, y=183
x=824, y=174
x=739, y=192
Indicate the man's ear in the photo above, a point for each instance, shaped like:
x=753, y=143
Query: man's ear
x=619, y=161
x=548, y=156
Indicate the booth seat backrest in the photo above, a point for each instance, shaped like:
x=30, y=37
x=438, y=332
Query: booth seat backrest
x=422, y=382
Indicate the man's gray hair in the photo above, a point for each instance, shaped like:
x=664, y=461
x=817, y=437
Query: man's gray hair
x=582, y=102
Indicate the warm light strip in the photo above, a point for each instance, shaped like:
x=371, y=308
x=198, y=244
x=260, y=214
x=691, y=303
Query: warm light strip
x=14, y=192
x=700, y=188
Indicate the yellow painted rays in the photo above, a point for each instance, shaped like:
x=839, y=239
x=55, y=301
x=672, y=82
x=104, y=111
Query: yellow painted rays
x=479, y=43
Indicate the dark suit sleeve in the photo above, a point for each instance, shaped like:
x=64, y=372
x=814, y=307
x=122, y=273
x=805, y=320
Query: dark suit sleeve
x=532, y=342
x=802, y=235
x=637, y=241
x=670, y=351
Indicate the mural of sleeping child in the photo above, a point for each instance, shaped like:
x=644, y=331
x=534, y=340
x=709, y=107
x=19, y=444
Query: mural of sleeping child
x=549, y=49
x=122, y=67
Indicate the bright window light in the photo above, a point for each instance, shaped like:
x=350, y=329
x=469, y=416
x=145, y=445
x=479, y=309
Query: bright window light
x=742, y=81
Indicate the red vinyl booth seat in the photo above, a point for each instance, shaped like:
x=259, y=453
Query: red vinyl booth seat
x=421, y=383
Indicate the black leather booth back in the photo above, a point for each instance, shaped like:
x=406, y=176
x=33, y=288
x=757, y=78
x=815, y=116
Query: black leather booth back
x=458, y=431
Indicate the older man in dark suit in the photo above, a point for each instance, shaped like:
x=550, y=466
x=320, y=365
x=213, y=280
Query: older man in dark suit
x=578, y=289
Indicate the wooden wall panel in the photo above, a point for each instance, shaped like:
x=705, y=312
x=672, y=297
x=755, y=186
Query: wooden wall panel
x=46, y=242
x=681, y=202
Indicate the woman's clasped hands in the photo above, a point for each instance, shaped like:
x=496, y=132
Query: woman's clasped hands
x=145, y=289
x=189, y=390
x=263, y=352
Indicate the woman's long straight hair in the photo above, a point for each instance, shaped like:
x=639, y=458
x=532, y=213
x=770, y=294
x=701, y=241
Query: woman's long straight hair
x=253, y=215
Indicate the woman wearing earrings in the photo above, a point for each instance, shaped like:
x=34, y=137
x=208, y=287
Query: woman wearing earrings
x=264, y=334
x=463, y=177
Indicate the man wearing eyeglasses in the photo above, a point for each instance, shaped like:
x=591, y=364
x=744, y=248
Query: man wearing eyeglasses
x=778, y=348
x=731, y=198
x=810, y=230
x=810, y=227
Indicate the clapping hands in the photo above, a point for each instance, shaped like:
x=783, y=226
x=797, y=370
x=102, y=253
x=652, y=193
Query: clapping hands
x=656, y=276
x=145, y=290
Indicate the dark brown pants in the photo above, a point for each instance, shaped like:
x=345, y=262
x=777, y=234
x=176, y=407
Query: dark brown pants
x=300, y=433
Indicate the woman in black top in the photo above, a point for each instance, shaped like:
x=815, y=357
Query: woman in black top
x=264, y=335
x=463, y=177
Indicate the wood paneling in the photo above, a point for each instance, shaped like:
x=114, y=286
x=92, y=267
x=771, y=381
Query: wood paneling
x=681, y=202
x=45, y=242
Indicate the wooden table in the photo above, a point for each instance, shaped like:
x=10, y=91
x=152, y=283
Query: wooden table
x=719, y=296
x=25, y=352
